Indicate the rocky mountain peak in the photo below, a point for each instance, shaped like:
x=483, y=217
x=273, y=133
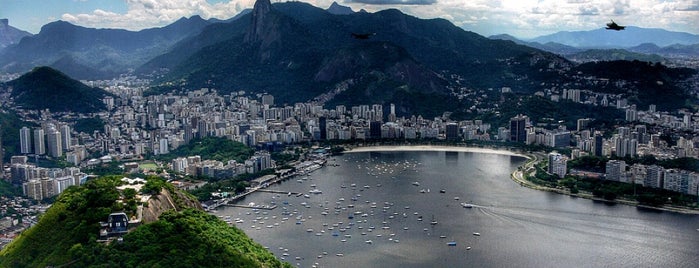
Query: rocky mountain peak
x=257, y=26
x=338, y=9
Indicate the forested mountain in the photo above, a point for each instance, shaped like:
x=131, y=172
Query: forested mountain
x=296, y=52
x=47, y=88
x=87, y=53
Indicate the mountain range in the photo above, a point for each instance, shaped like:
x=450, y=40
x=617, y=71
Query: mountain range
x=630, y=37
x=87, y=53
x=296, y=52
x=299, y=52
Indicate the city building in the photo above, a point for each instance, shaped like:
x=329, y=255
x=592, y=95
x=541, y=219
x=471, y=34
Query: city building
x=25, y=140
x=518, y=128
x=616, y=170
x=558, y=164
x=39, y=144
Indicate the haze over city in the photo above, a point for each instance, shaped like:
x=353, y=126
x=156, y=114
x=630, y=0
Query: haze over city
x=523, y=19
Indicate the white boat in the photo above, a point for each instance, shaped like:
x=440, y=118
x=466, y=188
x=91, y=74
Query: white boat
x=477, y=234
x=315, y=191
x=416, y=183
x=466, y=205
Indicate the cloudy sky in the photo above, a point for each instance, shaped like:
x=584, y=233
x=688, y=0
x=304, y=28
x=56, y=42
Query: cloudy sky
x=521, y=18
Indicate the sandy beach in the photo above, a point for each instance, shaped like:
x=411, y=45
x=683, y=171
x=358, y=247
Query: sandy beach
x=433, y=148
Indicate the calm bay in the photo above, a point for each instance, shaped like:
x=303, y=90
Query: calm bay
x=406, y=209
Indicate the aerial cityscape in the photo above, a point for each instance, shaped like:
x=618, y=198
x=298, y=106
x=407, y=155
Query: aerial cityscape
x=359, y=133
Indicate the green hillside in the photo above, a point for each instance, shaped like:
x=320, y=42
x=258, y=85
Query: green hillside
x=67, y=235
x=213, y=148
x=34, y=89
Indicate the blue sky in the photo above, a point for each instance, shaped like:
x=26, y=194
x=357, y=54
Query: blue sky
x=521, y=18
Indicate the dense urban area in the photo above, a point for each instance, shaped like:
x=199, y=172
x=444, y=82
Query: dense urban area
x=58, y=151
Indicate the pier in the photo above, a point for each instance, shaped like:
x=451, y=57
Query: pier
x=267, y=207
x=261, y=188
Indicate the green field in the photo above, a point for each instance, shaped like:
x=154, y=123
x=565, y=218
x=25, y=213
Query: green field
x=148, y=166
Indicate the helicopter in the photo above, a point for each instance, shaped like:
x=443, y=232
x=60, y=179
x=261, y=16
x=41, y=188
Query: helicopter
x=613, y=26
x=362, y=35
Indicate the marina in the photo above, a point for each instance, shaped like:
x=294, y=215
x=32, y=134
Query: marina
x=350, y=225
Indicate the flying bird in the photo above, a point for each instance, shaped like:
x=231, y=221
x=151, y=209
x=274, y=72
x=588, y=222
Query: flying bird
x=613, y=26
x=362, y=35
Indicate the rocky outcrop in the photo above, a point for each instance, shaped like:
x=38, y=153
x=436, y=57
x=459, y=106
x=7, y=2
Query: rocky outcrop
x=259, y=23
x=164, y=201
x=10, y=35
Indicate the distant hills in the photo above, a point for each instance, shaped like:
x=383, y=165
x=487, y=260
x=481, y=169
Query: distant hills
x=47, y=88
x=87, y=53
x=10, y=35
x=612, y=55
x=631, y=37
x=656, y=44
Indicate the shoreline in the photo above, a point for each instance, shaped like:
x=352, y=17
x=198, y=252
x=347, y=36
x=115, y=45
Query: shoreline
x=517, y=176
x=434, y=148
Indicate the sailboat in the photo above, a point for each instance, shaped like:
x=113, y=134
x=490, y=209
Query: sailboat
x=433, y=222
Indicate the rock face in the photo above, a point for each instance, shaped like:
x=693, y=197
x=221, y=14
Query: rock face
x=165, y=201
x=10, y=35
x=259, y=24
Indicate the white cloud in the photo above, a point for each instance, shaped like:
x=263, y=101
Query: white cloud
x=153, y=13
x=523, y=18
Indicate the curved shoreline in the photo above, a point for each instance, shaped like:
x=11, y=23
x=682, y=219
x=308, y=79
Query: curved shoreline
x=517, y=175
x=437, y=148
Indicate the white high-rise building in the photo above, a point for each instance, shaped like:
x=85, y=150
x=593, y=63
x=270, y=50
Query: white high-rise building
x=39, y=144
x=163, y=148
x=25, y=140
x=66, y=139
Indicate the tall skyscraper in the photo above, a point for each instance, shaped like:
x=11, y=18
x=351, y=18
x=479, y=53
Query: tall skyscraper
x=392, y=115
x=518, y=131
x=452, y=131
x=188, y=134
x=598, y=144
x=66, y=139
x=54, y=142
x=375, y=130
x=25, y=140
x=323, y=125
x=39, y=144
